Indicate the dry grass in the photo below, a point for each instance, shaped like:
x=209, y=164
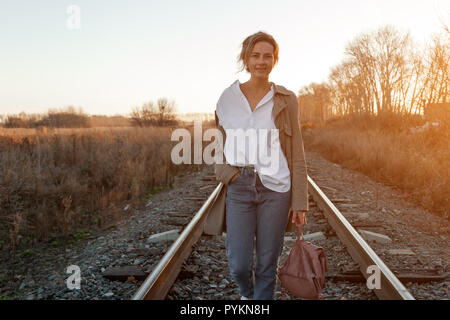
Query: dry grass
x=26, y=132
x=76, y=178
x=386, y=150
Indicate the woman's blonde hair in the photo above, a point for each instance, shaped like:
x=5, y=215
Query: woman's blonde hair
x=249, y=43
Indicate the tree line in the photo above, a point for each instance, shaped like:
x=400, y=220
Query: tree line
x=384, y=71
x=149, y=114
x=67, y=117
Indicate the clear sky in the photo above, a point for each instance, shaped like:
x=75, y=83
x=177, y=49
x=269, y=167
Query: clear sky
x=129, y=52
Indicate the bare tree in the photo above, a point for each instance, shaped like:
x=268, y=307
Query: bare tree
x=166, y=110
x=384, y=71
x=314, y=102
x=361, y=69
x=346, y=89
x=154, y=115
x=381, y=67
x=438, y=71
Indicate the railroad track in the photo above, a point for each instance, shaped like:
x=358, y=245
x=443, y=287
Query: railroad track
x=158, y=284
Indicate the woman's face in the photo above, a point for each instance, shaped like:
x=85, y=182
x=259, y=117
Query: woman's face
x=261, y=60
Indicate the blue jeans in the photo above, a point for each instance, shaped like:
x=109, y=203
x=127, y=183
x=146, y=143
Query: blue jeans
x=254, y=210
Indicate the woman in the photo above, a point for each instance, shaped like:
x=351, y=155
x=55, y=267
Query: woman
x=258, y=198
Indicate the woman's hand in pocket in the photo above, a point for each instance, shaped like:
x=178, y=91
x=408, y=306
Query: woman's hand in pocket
x=234, y=177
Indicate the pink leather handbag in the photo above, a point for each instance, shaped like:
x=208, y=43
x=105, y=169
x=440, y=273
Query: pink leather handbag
x=303, y=273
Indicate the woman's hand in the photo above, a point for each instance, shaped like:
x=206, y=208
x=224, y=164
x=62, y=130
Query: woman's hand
x=299, y=218
x=234, y=177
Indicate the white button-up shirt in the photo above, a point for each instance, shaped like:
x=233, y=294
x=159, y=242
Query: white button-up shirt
x=257, y=143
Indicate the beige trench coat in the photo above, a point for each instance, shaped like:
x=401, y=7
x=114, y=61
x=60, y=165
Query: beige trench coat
x=286, y=118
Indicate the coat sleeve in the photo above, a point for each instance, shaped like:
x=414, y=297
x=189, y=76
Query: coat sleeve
x=300, y=177
x=223, y=171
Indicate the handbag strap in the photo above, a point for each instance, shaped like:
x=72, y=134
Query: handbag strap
x=300, y=232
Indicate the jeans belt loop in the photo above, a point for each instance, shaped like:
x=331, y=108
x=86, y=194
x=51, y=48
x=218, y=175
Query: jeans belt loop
x=249, y=167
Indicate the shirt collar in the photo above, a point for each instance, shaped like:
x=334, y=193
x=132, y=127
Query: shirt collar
x=277, y=89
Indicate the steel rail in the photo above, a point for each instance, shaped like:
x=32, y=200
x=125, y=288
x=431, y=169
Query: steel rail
x=390, y=287
x=158, y=283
